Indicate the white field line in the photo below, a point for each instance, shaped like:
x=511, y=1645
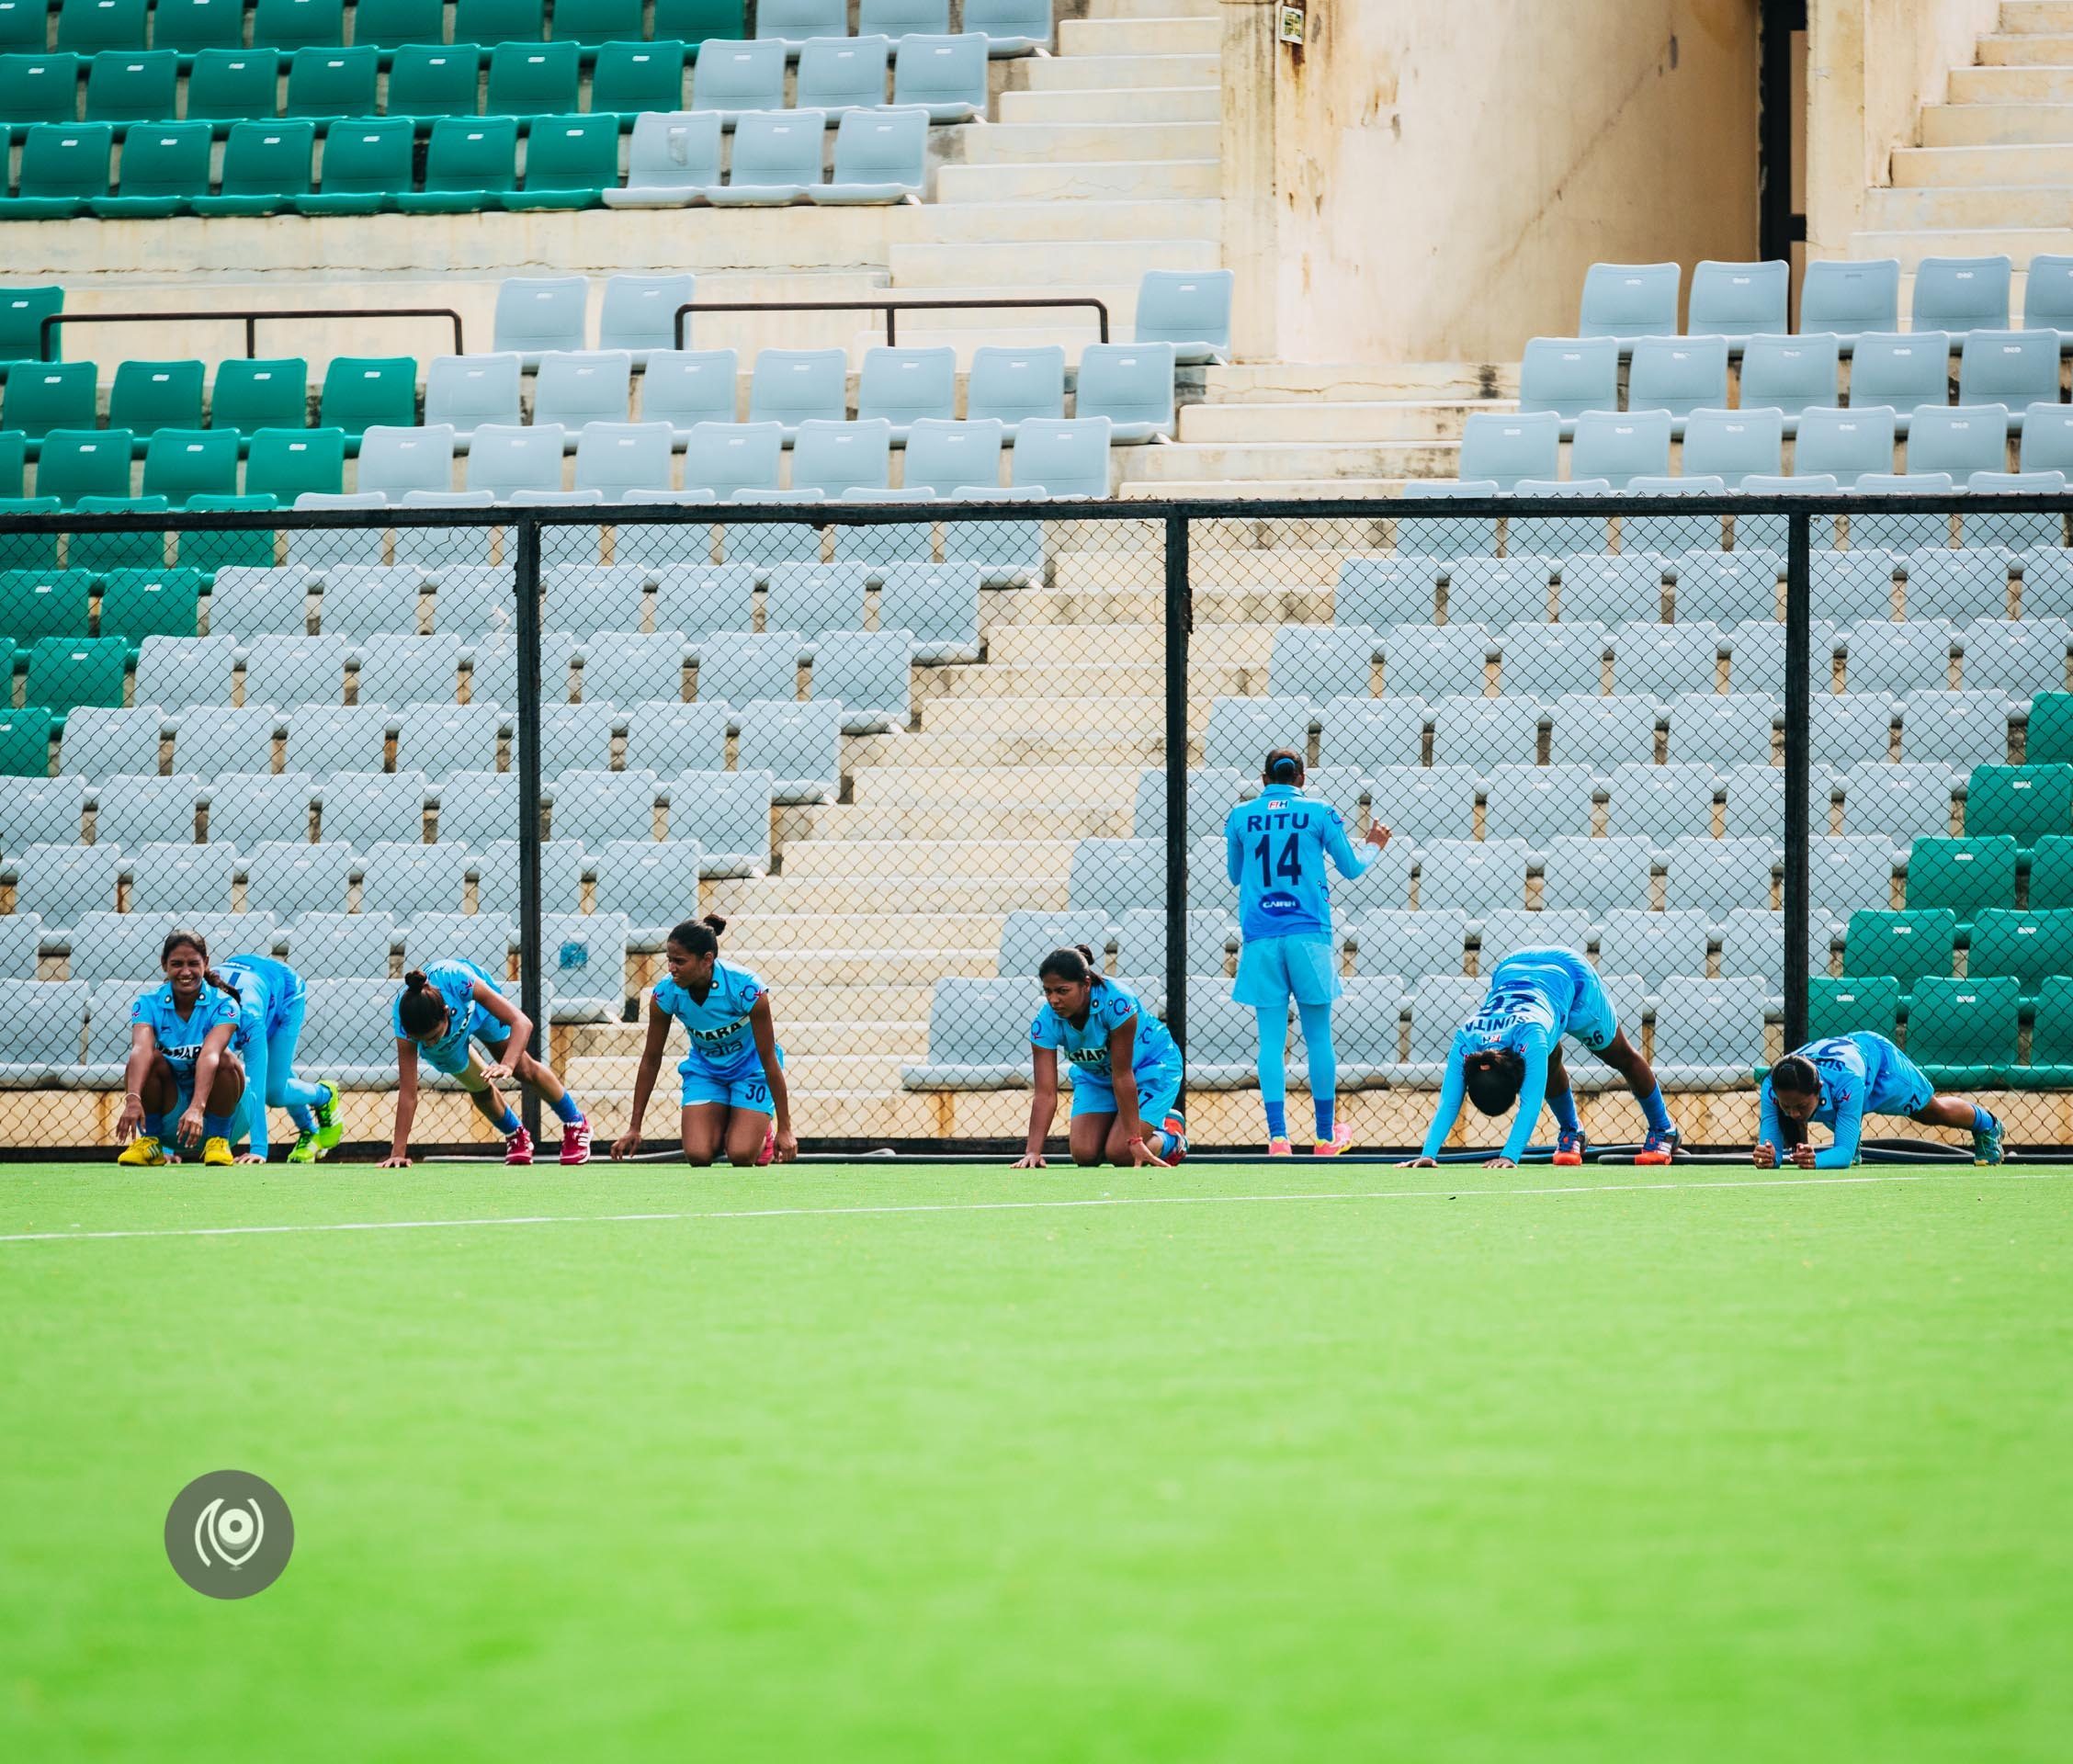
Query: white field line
x=1018, y=1207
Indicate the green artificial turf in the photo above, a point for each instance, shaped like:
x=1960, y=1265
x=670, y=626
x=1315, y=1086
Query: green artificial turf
x=1741, y=1468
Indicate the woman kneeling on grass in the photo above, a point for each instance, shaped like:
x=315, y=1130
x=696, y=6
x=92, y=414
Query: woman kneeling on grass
x=1104, y=1030
x=181, y=1063
x=735, y=1096
x=437, y=1012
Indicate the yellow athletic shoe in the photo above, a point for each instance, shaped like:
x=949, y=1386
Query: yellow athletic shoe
x=216, y=1150
x=143, y=1150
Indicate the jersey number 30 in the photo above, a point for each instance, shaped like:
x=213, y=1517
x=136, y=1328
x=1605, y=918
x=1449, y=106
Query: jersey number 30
x=1289, y=863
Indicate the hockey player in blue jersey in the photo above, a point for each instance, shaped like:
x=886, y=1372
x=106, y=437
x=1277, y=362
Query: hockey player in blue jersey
x=1838, y=1082
x=1511, y=1052
x=1275, y=850
x=182, y=1066
x=441, y=1009
x=735, y=1097
x=1103, y=1029
x=271, y=1001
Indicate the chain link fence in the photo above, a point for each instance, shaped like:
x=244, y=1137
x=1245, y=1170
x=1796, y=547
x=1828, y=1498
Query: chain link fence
x=1780, y=767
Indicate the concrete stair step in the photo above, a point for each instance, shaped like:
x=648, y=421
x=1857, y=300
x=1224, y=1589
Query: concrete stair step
x=1152, y=9
x=1016, y=814
x=2011, y=84
x=1143, y=717
x=1020, y=746
x=1094, y=73
x=1130, y=645
x=2026, y=49
x=1974, y=209
x=880, y=786
x=1289, y=461
x=1985, y=168
x=1006, y=321
x=1262, y=488
x=1012, y=143
x=1044, y=220
x=1275, y=382
x=1394, y=420
x=1159, y=35
x=762, y=935
x=1219, y=570
x=2016, y=15
x=1086, y=180
x=889, y=858
x=860, y=893
x=1089, y=680
x=1986, y=125
x=1910, y=245
x=918, y=267
x=1115, y=104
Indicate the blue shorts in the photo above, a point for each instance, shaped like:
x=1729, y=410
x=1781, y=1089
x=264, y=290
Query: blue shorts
x=454, y=1060
x=1159, y=1094
x=1272, y=970
x=1902, y=1087
x=739, y=1084
x=1591, y=1019
x=184, y=1101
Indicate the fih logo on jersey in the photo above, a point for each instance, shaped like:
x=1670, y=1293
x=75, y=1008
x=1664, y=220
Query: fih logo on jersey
x=229, y=1535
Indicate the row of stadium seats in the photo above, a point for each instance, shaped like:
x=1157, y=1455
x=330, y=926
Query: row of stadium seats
x=1842, y=296
x=139, y=91
x=1569, y=376
x=1014, y=27
x=1131, y=384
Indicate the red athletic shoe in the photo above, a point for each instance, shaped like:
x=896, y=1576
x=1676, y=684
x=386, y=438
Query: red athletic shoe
x=769, y=1144
x=575, y=1142
x=1568, y=1147
x=518, y=1147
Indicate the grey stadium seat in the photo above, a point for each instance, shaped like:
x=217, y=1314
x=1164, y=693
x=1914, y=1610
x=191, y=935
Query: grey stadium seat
x=295, y=670
x=1962, y=728
x=476, y=806
x=578, y=386
x=342, y=946
x=1132, y=385
x=135, y=810
x=1709, y=1034
x=1714, y=875
x=406, y=879
x=1844, y=445
x=466, y=391
x=778, y=158
x=562, y=863
x=1011, y=27
x=842, y=73
x=1911, y=657
x=673, y=159
x=1027, y=937
x=42, y=1024
x=1012, y=385
x=577, y=738
x=394, y=460
x=1112, y=877
x=1653, y=945
x=881, y=157
x=1430, y=941
x=340, y=739
x=946, y=457
x=585, y=956
x=417, y=670
x=41, y=811
x=835, y=458
x=628, y=667
x=1423, y=803
x=1585, y=729
x=665, y=738
x=1504, y=449
x=1485, y=731
x=1477, y=876
x=1900, y=369
x=250, y=600
x=1899, y=801
x=799, y=745
x=907, y=386
x=1720, y=732
x=1313, y=661
x=1497, y=591
x=869, y=673
x=1734, y=301
x=349, y=1036
x=599, y=807
x=483, y=938
x=291, y=877
x=1061, y=457
x=979, y=1036
x=536, y=314
x=1445, y=535
x=1439, y=1004
x=1961, y=294
x=368, y=807
x=1961, y=585
x=1678, y=374
x=1140, y=942
x=1619, y=447
x=700, y=598
x=737, y=667
x=1542, y=660
x=1538, y=803
x=945, y=76
x=687, y=387
x=1382, y=592
x=730, y=457
x=1733, y=445
x=638, y=313
x=938, y=603
x=1591, y=873
x=247, y=810
x=100, y=741
x=727, y=815
x=1512, y=929
x=1660, y=803
x=615, y=457
x=1191, y=310
x=1436, y=662
x=1665, y=659
x=176, y=671
x=1241, y=732
x=180, y=878
x=655, y=883
x=1851, y=298
x=1372, y=733
x=1628, y=300
x=1791, y=374
x=1569, y=376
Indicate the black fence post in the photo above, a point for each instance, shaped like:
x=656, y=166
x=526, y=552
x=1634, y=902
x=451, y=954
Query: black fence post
x=1180, y=621
x=525, y=584
x=1799, y=737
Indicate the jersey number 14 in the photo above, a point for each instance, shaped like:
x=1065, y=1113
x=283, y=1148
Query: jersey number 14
x=1288, y=865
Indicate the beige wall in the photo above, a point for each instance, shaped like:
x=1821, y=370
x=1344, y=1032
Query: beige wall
x=1871, y=66
x=1443, y=171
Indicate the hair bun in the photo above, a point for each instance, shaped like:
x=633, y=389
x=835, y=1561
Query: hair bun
x=414, y=980
x=714, y=923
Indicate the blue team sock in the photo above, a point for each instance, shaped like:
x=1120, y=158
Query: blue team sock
x=1563, y=1103
x=1277, y=1119
x=215, y=1126
x=1656, y=1115
x=565, y=1109
x=1324, y=1063
x=156, y=1126
x=508, y=1124
x=1981, y=1121
x=304, y=1117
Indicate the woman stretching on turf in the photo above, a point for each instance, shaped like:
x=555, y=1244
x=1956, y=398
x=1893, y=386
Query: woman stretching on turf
x=271, y=1000
x=1103, y=1030
x=733, y=1095
x=1274, y=848
x=181, y=1062
x=436, y=1014
x=1841, y=1081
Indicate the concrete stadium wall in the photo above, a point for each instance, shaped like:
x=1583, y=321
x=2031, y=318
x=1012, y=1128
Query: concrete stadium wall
x=1428, y=181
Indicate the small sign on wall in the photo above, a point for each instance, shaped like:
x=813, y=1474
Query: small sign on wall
x=1291, y=25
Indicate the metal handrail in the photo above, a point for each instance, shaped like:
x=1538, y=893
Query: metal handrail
x=250, y=317
x=891, y=308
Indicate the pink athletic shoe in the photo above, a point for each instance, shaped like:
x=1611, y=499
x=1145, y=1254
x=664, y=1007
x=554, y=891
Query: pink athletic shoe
x=518, y=1147
x=1342, y=1140
x=575, y=1142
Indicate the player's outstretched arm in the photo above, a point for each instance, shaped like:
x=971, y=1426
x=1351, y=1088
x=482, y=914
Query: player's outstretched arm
x=213, y=1046
x=1453, y=1086
x=764, y=1030
x=143, y=1049
x=628, y=1142
x=406, y=1104
x=518, y=1025
x=1043, y=1106
x=1533, y=1095
x=1849, y=1133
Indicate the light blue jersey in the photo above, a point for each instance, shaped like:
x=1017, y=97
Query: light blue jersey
x=1109, y=1006
x=1535, y=997
x=455, y=983
x=180, y=1039
x=718, y=1025
x=1860, y=1074
x=268, y=989
x=1274, y=850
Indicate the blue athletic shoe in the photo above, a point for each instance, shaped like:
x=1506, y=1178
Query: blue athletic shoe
x=1658, y=1148
x=1987, y=1142
x=1568, y=1147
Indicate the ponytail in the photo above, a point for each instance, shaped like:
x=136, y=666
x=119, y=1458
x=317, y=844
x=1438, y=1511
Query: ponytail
x=421, y=1009
x=215, y=979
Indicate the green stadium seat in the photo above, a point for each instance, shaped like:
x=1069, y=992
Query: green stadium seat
x=150, y=395
x=2026, y=802
x=65, y=671
x=1904, y=945
x=1968, y=876
x=162, y=167
x=597, y=22
x=297, y=23
x=49, y=395
x=500, y=21
x=2051, y=874
x=233, y=86
x=14, y=454
x=1964, y=1034
x=1856, y=1003
x=332, y=82
x=2051, y=1038
x=428, y=82
x=25, y=742
x=532, y=79
x=44, y=603
x=181, y=464
x=284, y=463
x=365, y=165
x=83, y=462
x=363, y=390
x=128, y=548
x=467, y=165
x=36, y=87
x=87, y=26
x=209, y=549
x=266, y=393
x=696, y=21
x=390, y=24
x=22, y=312
x=63, y=167
x=132, y=85
x=632, y=77
x=29, y=550
x=265, y=166
x=568, y=163
x=2027, y=945
x=136, y=603
x=24, y=24
x=191, y=26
